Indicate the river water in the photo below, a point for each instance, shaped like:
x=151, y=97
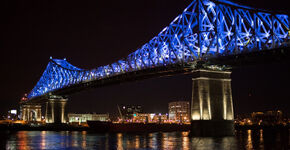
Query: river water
x=248, y=139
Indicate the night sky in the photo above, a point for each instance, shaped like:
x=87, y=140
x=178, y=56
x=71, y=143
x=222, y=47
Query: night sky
x=93, y=33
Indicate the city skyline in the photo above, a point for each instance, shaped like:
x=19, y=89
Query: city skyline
x=72, y=35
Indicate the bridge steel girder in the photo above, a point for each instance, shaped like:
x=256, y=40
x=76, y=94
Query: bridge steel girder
x=206, y=29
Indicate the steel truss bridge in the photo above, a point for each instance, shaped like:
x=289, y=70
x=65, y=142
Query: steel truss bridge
x=204, y=31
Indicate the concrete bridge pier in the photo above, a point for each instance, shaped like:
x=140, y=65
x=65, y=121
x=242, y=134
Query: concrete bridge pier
x=211, y=106
x=55, y=110
x=30, y=112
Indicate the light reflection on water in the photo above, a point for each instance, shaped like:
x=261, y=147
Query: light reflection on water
x=248, y=140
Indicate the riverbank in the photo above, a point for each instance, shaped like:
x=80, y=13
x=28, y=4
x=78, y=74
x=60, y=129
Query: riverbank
x=60, y=127
x=126, y=127
x=100, y=127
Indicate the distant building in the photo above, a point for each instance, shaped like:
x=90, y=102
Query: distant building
x=261, y=118
x=129, y=110
x=179, y=111
x=82, y=118
x=267, y=118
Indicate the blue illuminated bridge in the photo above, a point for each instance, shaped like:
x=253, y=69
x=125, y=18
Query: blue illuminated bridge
x=205, y=31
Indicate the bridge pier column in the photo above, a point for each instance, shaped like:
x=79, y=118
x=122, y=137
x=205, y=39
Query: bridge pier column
x=55, y=110
x=211, y=106
x=31, y=112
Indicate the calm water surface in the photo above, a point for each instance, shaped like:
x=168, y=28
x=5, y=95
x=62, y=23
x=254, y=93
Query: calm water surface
x=248, y=139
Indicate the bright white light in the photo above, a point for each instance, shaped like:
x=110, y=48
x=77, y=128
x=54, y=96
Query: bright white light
x=151, y=116
x=164, y=29
x=267, y=35
x=13, y=111
x=195, y=116
x=210, y=5
x=176, y=18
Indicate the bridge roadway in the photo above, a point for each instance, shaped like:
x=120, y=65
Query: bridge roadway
x=264, y=56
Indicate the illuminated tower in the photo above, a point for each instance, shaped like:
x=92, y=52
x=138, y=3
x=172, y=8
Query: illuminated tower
x=211, y=105
x=55, y=110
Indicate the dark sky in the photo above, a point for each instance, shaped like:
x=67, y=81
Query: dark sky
x=93, y=33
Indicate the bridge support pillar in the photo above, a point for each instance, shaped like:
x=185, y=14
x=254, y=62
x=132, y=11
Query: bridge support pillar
x=55, y=110
x=211, y=106
x=31, y=112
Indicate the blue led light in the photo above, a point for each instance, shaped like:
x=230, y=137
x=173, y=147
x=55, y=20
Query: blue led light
x=204, y=29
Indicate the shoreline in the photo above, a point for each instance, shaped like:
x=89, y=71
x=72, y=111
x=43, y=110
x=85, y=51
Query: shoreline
x=125, y=127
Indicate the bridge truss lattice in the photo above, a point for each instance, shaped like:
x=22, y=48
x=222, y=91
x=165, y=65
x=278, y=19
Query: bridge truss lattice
x=205, y=29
